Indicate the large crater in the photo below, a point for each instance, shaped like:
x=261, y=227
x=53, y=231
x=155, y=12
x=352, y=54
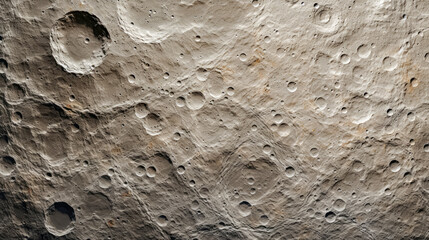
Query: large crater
x=79, y=42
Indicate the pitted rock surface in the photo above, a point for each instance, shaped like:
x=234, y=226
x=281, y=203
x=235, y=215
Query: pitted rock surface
x=214, y=119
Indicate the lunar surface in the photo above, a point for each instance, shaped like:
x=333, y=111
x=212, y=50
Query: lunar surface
x=214, y=119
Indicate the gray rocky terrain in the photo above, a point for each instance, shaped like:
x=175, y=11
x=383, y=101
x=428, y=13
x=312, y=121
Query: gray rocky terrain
x=214, y=119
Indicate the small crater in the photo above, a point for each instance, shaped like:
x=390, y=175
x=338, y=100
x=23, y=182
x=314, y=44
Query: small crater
x=153, y=124
x=3, y=65
x=204, y=192
x=321, y=103
x=176, y=136
x=151, y=172
x=290, y=172
x=255, y=3
x=141, y=110
x=364, y=51
x=195, y=205
x=180, y=102
x=278, y=118
x=16, y=117
x=250, y=181
x=131, y=78
x=245, y=208
x=389, y=64
x=230, y=91
x=345, y=59
x=291, y=86
x=267, y=149
x=264, y=220
x=330, y=217
x=181, y=170
x=426, y=147
x=243, y=57
x=314, y=152
x=192, y=183
x=394, y=166
x=339, y=205
x=59, y=219
x=414, y=82
x=284, y=130
x=357, y=166
x=195, y=100
x=323, y=16
x=361, y=75
x=7, y=165
x=166, y=75
x=105, y=181
x=411, y=117
x=15, y=93
x=202, y=74
x=140, y=171
x=162, y=221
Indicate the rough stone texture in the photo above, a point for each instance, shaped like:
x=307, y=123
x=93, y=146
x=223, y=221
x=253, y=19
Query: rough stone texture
x=221, y=119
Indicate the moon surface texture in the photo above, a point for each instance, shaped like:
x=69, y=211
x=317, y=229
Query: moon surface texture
x=214, y=119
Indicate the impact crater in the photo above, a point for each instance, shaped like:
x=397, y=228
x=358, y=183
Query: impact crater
x=79, y=42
